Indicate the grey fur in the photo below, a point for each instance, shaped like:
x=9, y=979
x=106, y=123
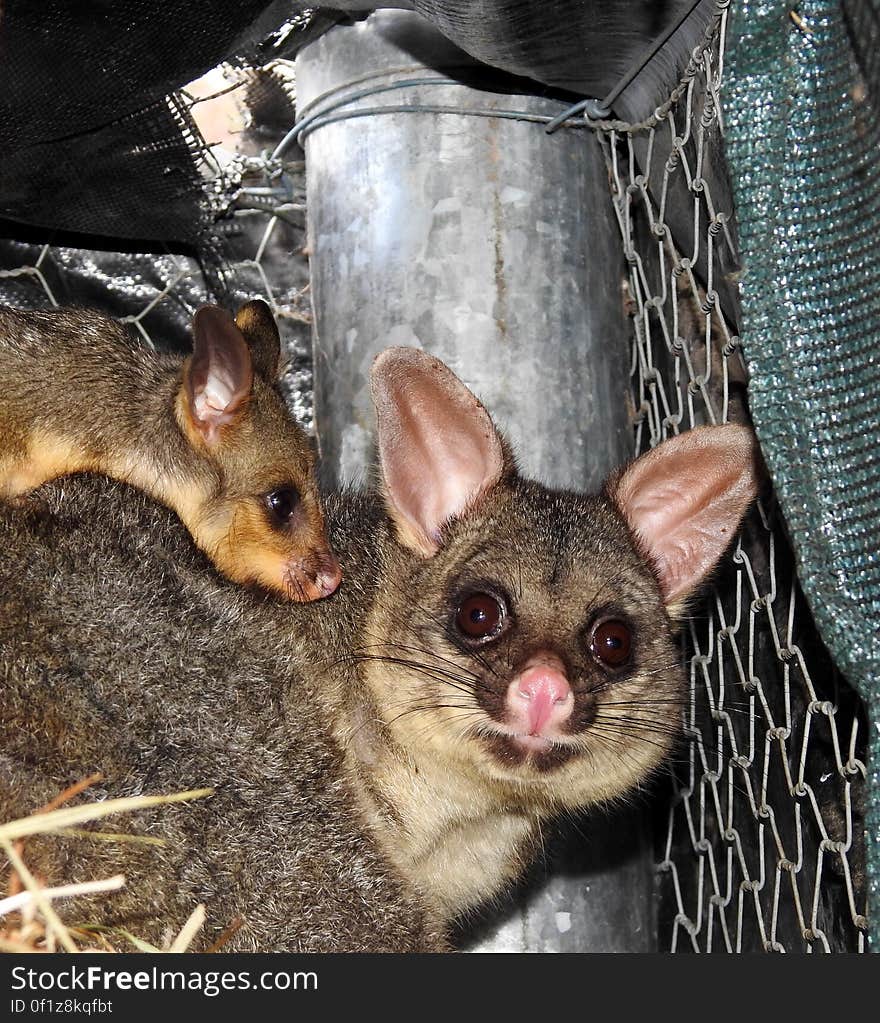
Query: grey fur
x=121, y=650
x=360, y=802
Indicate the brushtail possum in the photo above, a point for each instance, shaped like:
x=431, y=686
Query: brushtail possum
x=383, y=760
x=208, y=436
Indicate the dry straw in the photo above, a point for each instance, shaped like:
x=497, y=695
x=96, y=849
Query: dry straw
x=28, y=919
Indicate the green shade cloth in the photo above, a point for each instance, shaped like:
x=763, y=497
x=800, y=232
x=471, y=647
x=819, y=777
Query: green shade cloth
x=802, y=134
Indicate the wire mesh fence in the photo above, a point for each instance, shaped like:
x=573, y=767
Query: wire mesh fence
x=259, y=205
x=763, y=846
x=762, y=843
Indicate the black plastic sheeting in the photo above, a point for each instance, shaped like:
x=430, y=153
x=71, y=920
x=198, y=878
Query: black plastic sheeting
x=583, y=47
x=92, y=144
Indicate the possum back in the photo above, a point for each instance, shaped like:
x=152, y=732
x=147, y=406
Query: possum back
x=121, y=653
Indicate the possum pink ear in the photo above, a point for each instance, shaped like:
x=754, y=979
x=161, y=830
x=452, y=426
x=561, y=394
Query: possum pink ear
x=219, y=375
x=439, y=450
x=685, y=500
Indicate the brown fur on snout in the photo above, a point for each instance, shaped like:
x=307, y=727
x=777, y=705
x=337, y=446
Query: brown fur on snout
x=209, y=436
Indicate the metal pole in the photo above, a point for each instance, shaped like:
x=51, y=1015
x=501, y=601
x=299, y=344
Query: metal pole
x=491, y=244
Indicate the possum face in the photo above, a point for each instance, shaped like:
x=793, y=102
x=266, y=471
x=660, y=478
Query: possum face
x=524, y=635
x=539, y=651
x=260, y=519
x=265, y=515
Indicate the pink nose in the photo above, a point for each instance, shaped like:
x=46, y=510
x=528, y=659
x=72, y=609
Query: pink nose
x=539, y=700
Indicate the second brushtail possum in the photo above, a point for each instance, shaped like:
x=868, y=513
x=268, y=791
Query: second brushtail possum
x=382, y=761
x=209, y=436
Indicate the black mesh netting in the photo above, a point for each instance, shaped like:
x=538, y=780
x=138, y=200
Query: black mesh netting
x=92, y=140
x=84, y=113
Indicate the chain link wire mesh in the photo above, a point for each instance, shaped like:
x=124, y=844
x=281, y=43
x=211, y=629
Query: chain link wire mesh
x=259, y=205
x=763, y=845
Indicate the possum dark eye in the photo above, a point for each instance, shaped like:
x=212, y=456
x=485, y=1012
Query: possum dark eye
x=480, y=616
x=611, y=643
x=282, y=503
